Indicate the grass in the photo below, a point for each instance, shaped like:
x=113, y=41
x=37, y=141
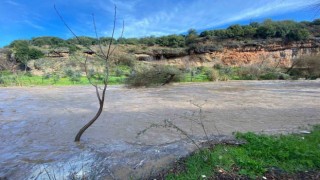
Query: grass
x=288, y=153
x=119, y=74
x=25, y=80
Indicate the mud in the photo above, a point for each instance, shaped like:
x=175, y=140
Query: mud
x=38, y=124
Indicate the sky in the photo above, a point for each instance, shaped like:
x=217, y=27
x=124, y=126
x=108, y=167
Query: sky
x=24, y=19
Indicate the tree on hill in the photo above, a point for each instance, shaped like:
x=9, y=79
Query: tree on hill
x=48, y=40
x=191, y=36
x=23, y=53
x=235, y=31
x=173, y=41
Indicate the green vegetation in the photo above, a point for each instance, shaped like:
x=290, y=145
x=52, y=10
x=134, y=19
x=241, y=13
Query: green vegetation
x=23, y=53
x=26, y=79
x=126, y=71
x=287, y=30
x=145, y=75
x=307, y=67
x=58, y=59
x=287, y=153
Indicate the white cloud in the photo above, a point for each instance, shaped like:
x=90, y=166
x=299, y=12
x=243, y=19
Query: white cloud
x=12, y=3
x=206, y=14
x=270, y=8
x=33, y=25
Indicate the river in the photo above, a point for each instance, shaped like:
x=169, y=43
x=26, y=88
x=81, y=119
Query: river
x=38, y=124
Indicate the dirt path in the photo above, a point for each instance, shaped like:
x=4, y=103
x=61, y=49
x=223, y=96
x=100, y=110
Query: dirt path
x=38, y=124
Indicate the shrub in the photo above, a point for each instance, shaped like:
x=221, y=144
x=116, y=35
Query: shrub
x=212, y=75
x=218, y=66
x=119, y=72
x=283, y=76
x=74, y=76
x=145, y=75
x=249, y=72
x=126, y=60
x=7, y=78
x=35, y=53
x=308, y=67
x=169, y=53
x=270, y=76
x=223, y=78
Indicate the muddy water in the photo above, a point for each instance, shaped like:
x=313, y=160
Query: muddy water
x=38, y=124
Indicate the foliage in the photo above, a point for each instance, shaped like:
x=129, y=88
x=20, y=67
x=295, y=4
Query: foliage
x=169, y=53
x=23, y=52
x=274, y=76
x=48, y=40
x=145, y=75
x=307, y=67
x=191, y=37
x=35, y=53
x=125, y=59
x=212, y=74
x=74, y=76
x=150, y=41
x=83, y=40
x=235, y=31
x=288, y=153
x=106, y=40
x=287, y=30
x=132, y=41
x=57, y=79
x=171, y=41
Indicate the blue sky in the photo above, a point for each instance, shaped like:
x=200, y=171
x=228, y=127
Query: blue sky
x=24, y=19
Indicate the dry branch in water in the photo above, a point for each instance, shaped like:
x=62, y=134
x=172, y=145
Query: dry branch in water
x=105, y=56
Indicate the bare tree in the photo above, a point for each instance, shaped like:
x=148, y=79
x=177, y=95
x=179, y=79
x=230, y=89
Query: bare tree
x=100, y=84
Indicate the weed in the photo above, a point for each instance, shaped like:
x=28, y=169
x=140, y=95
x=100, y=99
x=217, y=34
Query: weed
x=288, y=153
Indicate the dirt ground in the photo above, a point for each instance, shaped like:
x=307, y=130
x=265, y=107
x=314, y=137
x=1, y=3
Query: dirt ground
x=38, y=124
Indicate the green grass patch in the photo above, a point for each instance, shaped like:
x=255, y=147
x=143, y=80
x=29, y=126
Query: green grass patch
x=195, y=78
x=28, y=80
x=289, y=153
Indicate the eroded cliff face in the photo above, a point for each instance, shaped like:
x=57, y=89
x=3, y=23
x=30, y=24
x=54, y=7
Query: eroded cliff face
x=274, y=54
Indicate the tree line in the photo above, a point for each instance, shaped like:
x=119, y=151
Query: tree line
x=287, y=30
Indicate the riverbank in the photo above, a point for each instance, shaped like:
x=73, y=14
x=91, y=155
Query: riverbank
x=294, y=156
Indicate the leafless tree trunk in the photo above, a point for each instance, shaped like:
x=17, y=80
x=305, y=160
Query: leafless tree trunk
x=100, y=90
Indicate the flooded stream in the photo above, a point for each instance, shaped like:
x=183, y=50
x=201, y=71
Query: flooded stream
x=38, y=124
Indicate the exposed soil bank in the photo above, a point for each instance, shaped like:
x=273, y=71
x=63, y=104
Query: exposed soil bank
x=38, y=124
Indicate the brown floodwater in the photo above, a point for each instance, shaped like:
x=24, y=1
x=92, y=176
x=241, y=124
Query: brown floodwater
x=38, y=124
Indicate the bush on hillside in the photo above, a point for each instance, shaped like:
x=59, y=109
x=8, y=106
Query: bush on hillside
x=212, y=74
x=125, y=60
x=74, y=76
x=307, y=67
x=146, y=75
x=252, y=72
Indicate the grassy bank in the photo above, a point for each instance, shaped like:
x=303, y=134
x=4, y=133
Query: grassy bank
x=261, y=155
x=147, y=75
x=28, y=80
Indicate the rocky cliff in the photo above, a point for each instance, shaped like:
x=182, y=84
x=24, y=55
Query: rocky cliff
x=275, y=53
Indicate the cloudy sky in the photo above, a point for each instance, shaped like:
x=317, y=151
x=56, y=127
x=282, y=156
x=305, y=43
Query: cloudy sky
x=24, y=19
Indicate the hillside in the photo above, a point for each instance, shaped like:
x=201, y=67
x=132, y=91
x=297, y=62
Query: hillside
x=271, y=44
